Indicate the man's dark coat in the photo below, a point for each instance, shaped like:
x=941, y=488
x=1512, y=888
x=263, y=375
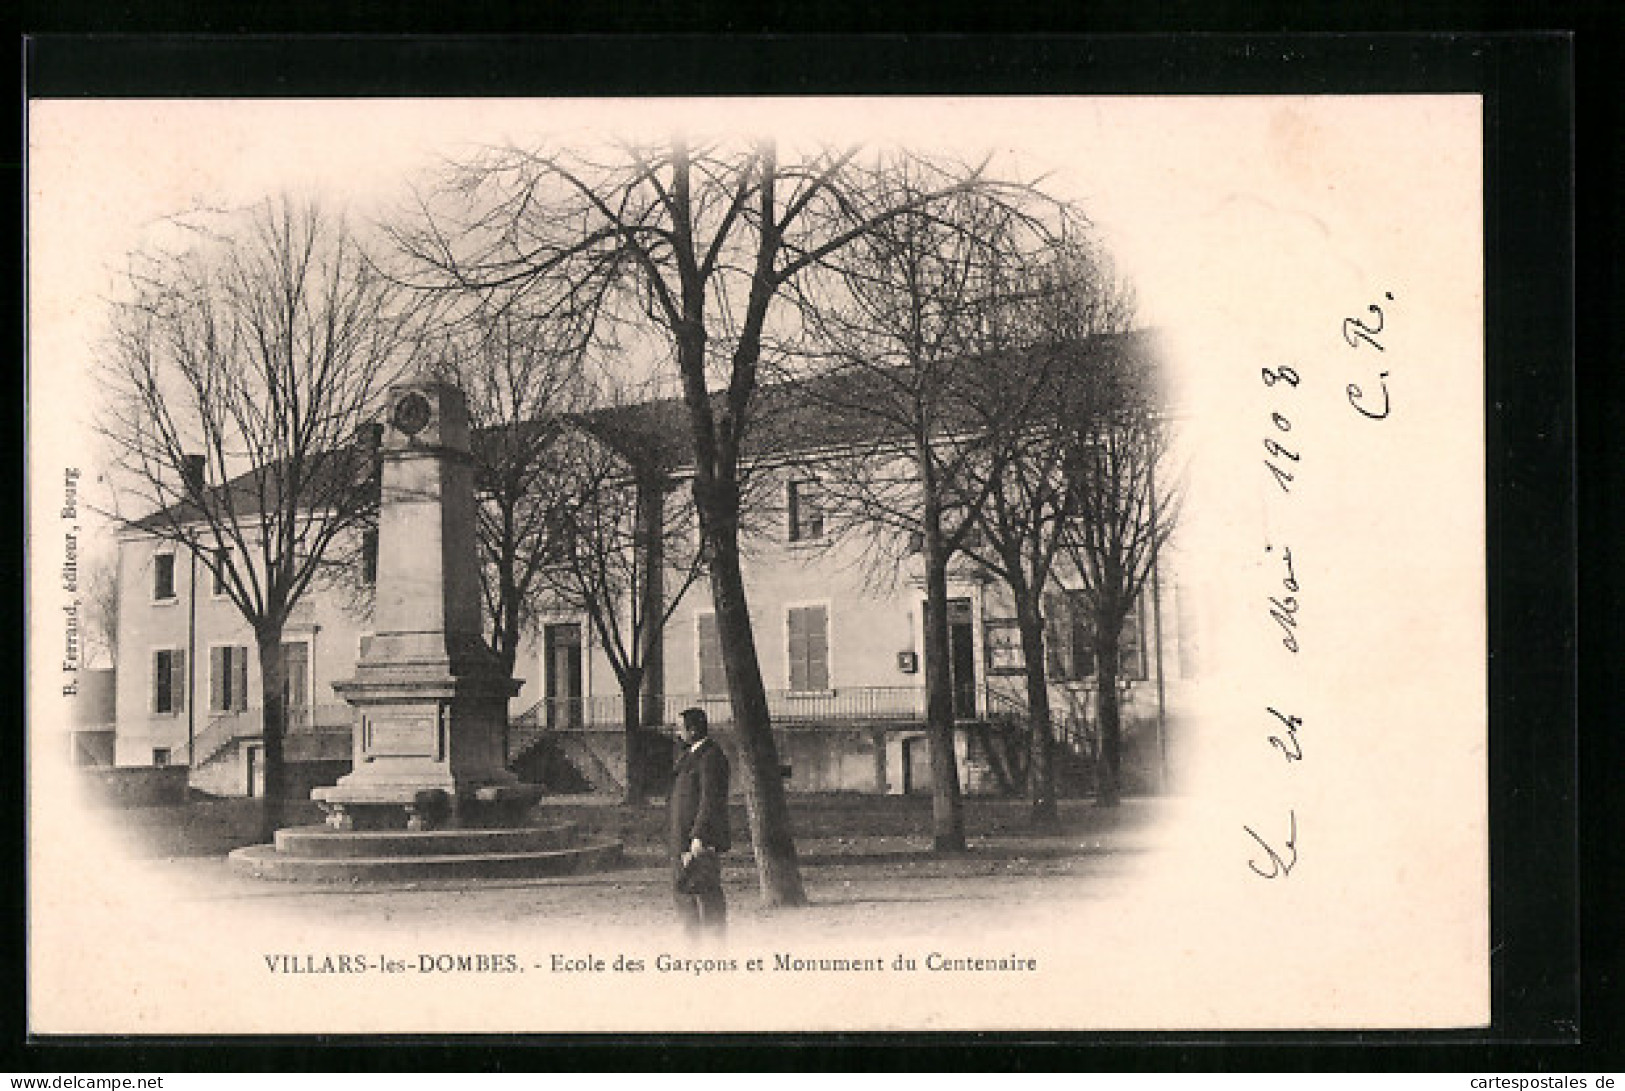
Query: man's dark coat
x=699, y=798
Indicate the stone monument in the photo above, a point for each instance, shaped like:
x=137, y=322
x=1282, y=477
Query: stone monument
x=430, y=698
x=428, y=795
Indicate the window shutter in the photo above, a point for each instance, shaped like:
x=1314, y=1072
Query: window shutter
x=809, y=648
x=219, y=685
x=818, y=648
x=160, y=681
x=798, y=650
x=240, y=690
x=177, y=681
x=1131, y=648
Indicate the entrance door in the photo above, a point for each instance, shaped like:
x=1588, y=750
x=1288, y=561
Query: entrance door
x=562, y=647
x=962, y=649
x=254, y=763
x=917, y=765
x=962, y=657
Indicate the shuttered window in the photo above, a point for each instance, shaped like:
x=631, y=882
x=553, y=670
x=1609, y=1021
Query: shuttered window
x=228, y=679
x=169, y=680
x=809, y=648
x=713, y=676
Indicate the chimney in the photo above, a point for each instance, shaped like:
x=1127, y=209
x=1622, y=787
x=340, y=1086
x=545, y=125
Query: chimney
x=192, y=474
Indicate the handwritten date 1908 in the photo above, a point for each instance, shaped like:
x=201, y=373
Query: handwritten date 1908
x=1272, y=446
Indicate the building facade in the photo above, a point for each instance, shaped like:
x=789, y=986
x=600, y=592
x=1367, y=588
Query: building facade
x=838, y=632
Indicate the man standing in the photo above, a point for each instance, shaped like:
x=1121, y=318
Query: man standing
x=698, y=812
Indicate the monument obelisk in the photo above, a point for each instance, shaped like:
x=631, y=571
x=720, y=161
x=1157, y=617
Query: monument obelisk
x=430, y=698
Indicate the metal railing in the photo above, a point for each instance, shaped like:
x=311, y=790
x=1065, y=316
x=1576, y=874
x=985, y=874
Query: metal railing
x=843, y=705
x=226, y=728
x=850, y=704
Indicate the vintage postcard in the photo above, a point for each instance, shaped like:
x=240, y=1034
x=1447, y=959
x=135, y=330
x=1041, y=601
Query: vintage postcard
x=1089, y=492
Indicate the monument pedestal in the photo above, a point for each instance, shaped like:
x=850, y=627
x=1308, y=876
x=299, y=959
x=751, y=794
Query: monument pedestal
x=427, y=749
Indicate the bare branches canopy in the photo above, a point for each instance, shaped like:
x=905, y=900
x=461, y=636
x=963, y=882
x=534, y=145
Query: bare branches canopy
x=238, y=375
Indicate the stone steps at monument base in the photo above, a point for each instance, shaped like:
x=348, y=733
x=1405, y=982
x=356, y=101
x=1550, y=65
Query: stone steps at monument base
x=323, y=842
x=264, y=862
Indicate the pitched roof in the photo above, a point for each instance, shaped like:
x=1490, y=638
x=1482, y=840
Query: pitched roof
x=245, y=492
x=795, y=416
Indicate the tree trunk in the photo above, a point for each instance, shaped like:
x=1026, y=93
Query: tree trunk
x=1109, y=767
x=650, y=542
x=632, y=721
x=1041, y=764
x=777, y=869
x=947, y=809
x=273, y=729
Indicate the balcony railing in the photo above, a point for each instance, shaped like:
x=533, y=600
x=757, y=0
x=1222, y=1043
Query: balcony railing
x=846, y=705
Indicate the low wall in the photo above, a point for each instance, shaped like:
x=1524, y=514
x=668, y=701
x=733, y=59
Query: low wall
x=816, y=759
x=135, y=786
x=852, y=758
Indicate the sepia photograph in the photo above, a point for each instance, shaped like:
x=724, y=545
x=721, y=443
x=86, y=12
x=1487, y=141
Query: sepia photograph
x=792, y=564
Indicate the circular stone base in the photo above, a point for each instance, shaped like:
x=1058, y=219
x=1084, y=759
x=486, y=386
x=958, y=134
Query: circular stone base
x=324, y=854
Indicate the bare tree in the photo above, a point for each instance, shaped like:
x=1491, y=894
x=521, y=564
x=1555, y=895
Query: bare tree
x=101, y=612
x=1128, y=497
x=1055, y=358
x=523, y=378
x=906, y=321
x=706, y=238
x=251, y=360
x=625, y=557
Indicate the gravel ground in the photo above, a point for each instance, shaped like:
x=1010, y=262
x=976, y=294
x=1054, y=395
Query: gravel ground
x=866, y=863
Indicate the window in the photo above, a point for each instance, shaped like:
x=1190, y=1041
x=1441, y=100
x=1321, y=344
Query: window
x=163, y=577
x=228, y=679
x=809, y=648
x=296, y=674
x=1004, y=654
x=160, y=756
x=1070, y=644
x=806, y=511
x=222, y=561
x=713, y=676
x=1131, y=647
x=168, y=680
